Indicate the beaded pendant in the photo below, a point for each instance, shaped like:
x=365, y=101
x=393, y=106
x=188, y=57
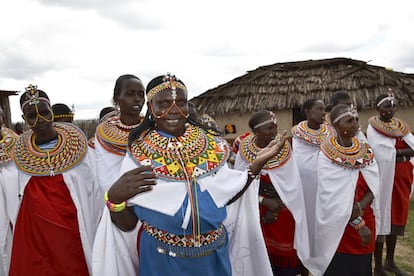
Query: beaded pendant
x=397, y=128
x=248, y=152
x=6, y=144
x=357, y=156
x=69, y=151
x=311, y=136
x=194, y=154
x=112, y=134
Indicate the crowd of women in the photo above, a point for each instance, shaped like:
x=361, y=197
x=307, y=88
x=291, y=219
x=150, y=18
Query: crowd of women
x=157, y=195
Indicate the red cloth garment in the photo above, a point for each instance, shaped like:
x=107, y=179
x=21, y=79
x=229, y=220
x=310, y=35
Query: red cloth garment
x=403, y=180
x=351, y=241
x=47, y=239
x=279, y=236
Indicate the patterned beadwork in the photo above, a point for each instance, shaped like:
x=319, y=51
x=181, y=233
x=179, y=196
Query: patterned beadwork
x=202, y=152
x=112, y=134
x=357, y=156
x=248, y=152
x=311, y=136
x=396, y=128
x=187, y=241
x=6, y=144
x=70, y=151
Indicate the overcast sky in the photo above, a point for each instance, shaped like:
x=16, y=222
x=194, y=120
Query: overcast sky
x=75, y=49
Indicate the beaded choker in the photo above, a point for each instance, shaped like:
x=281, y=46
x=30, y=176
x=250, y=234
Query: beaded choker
x=248, y=152
x=311, y=136
x=359, y=155
x=396, y=128
x=6, y=144
x=112, y=134
x=70, y=150
x=194, y=154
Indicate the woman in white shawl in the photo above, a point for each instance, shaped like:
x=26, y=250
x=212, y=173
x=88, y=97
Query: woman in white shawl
x=393, y=146
x=282, y=207
x=306, y=140
x=348, y=180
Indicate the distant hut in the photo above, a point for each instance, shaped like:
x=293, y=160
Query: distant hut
x=5, y=104
x=283, y=87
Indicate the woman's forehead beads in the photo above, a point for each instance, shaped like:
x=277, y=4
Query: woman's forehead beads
x=169, y=82
x=32, y=96
x=350, y=111
x=390, y=98
x=272, y=119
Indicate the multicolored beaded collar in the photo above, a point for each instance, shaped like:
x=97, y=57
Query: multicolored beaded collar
x=6, y=144
x=248, y=152
x=312, y=136
x=357, y=156
x=112, y=134
x=69, y=152
x=397, y=128
x=202, y=153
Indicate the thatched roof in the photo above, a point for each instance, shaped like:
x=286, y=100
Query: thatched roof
x=8, y=93
x=287, y=85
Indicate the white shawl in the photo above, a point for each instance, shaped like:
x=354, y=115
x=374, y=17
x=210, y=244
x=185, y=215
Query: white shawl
x=385, y=154
x=334, y=201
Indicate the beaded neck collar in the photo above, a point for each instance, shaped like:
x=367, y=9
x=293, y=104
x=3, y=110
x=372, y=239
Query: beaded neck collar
x=248, y=152
x=358, y=155
x=70, y=150
x=311, y=136
x=6, y=145
x=112, y=134
x=396, y=128
x=194, y=154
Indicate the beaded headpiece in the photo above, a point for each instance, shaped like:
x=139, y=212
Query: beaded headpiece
x=169, y=81
x=350, y=111
x=390, y=98
x=32, y=96
x=272, y=119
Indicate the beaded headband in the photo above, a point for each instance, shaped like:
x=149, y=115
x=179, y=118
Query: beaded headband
x=390, y=98
x=350, y=111
x=32, y=96
x=169, y=81
x=272, y=119
x=64, y=116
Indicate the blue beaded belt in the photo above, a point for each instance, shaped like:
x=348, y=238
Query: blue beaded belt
x=185, y=245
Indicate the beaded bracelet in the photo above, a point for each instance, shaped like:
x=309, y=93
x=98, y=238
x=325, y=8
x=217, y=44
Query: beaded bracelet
x=359, y=225
x=113, y=207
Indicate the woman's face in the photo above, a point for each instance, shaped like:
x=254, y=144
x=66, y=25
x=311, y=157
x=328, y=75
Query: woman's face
x=39, y=117
x=386, y=110
x=265, y=133
x=170, y=111
x=316, y=114
x=131, y=97
x=347, y=126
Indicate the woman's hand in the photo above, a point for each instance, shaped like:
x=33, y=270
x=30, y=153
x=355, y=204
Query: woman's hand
x=272, y=149
x=268, y=218
x=274, y=205
x=365, y=234
x=131, y=183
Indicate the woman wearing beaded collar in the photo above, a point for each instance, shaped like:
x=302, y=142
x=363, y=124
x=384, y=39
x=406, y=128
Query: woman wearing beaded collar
x=8, y=174
x=55, y=219
x=281, y=200
x=348, y=178
x=307, y=137
x=179, y=188
x=393, y=146
x=112, y=132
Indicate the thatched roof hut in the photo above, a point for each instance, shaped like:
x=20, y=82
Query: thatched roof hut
x=285, y=86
